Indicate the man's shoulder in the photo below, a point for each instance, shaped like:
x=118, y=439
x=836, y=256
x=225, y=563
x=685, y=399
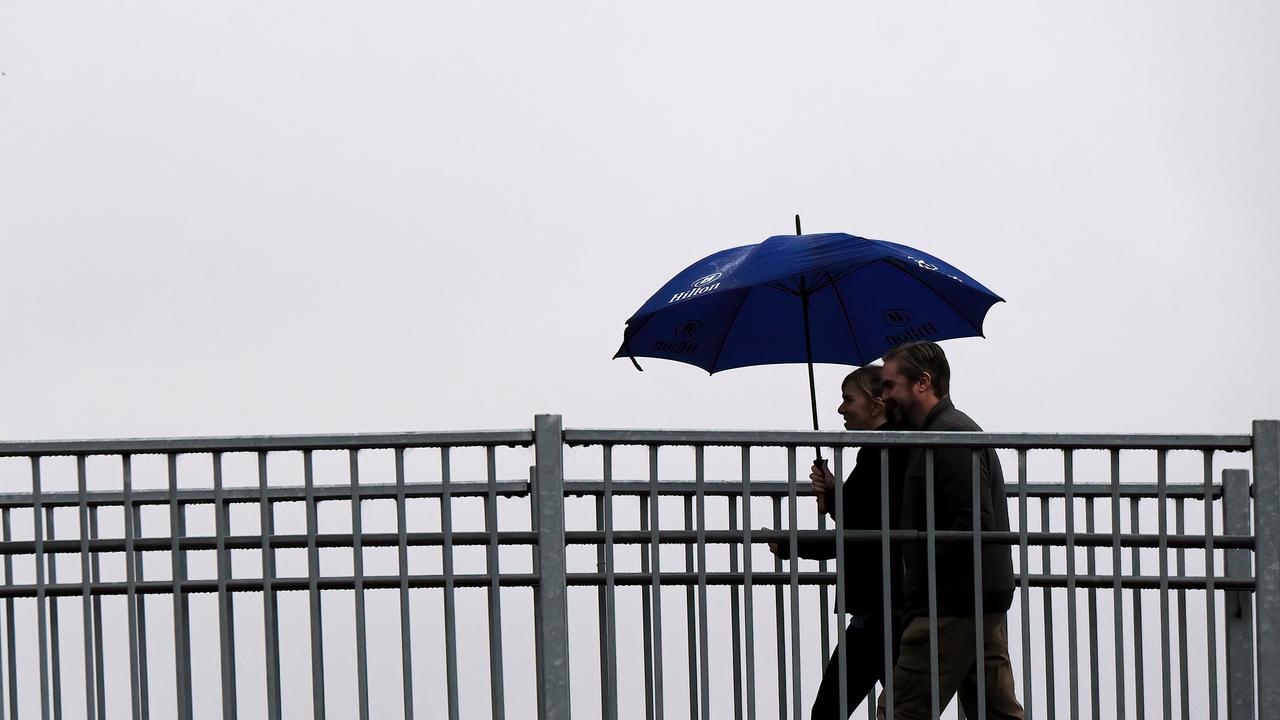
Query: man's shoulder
x=953, y=420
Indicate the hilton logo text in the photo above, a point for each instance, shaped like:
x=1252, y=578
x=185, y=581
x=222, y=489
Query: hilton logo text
x=917, y=332
x=704, y=284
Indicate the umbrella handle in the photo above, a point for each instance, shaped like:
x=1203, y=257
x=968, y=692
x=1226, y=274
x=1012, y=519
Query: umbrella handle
x=822, y=464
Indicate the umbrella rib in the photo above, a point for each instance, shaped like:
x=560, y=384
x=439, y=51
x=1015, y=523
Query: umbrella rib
x=833, y=279
x=848, y=323
x=737, y=311
x=821, y=286
x=848, y=271
x=940, y=296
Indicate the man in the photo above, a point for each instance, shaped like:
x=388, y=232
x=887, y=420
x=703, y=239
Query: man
x=915, y=387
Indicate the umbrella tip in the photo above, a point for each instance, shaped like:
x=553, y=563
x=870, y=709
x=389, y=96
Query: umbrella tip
x=798, y=225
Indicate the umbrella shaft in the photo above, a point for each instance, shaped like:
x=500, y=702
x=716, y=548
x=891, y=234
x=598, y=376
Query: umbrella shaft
x=808, y=354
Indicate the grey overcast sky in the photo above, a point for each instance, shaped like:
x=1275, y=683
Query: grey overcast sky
x=245, y=217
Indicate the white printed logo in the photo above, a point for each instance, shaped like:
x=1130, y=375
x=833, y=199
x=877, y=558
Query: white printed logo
x=704, y=284
x=930, y=266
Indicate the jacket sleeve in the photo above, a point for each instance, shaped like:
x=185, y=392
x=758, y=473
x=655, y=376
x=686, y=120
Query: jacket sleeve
x=808, y=549
x=817, y=549
x=856, y=482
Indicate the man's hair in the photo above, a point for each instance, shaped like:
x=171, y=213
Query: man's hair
x=866, y=379
x=917, y=358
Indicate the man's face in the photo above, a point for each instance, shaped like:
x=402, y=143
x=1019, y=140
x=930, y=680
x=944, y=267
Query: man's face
x=900, y=397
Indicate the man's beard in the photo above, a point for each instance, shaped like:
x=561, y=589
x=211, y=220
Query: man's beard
x=894, y=411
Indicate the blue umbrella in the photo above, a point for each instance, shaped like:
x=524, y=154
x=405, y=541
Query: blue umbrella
x=829, y=298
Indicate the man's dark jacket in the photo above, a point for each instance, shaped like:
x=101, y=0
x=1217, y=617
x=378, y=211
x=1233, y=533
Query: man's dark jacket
x=953, y=510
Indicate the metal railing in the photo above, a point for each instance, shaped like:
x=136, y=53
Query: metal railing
x=610, y=573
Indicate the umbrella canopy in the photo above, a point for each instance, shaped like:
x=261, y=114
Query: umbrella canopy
x=830, y=297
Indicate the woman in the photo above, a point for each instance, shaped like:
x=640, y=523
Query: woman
x=862, y=409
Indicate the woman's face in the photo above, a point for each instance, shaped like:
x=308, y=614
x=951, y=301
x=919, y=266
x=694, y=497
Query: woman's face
x=859, y=410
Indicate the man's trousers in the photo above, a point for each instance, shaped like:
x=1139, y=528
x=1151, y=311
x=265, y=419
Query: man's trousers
x=957, y=670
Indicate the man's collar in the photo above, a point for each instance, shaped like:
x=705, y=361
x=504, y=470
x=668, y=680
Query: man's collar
x=944, y=404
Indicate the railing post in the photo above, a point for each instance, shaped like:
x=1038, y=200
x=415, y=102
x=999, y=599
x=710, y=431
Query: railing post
x=1266, y=515
x=1239, y=603
x=551, y=614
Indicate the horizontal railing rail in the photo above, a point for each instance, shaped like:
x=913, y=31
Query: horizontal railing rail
x=265, y=443
x=845, y=439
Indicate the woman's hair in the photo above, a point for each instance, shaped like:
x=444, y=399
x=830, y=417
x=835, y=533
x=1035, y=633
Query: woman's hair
x=866, y=379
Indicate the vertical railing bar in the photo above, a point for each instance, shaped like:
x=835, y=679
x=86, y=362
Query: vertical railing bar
x=980, y=665
x=646, y=610
x=794, y=565
x=842, y=600
x=9, y=675
x=270, y=612
x=1025, y=582
x=1073, y=670
x=144, y=686
x=1095, y=697
x=703, y=647
x=226, y=604
x=690, y=616
x=780, y=622
x=602, y=611
x=1266, y=553
x=1211, y=599
x=314, y=597
x=824, y=596
x=11, y=623
x=886, y=581
x=406, y=627
x=1162, y=515
x=357, y=566
x=735, y=612
x=86, y=595
x=99, y=664
x=656, y=584
x=9, y=641
x=1241, y=690
x=42, y=626
x=824, y=600
x=55, y=654
x=181, y=605
x=1135, y=561
x=551, y=592
x=450, y=600
x=748, y=591
x=497, y=696
x=1046, y=561
x=610, y=668
x=1117, y=593
x=1184, y=693
x=931, y=552
x=186, y=613
x=130, y=577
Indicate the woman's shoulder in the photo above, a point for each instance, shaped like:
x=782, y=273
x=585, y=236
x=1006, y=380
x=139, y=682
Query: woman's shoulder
x=873, y=449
